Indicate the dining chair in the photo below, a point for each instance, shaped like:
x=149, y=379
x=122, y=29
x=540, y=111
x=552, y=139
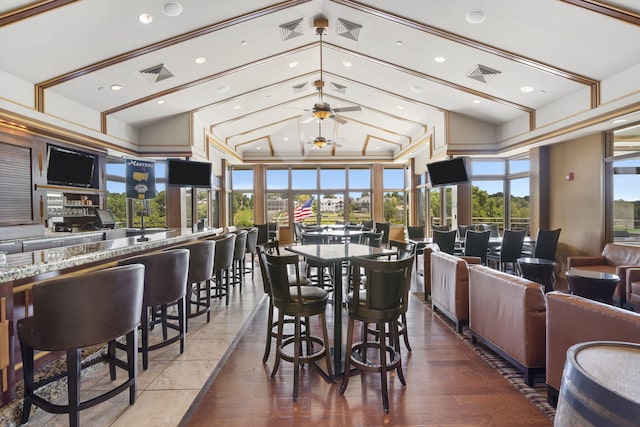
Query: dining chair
x=416, y=232
x=510, y=250
x=372, y=239
x=440, y=227
x=384, y=227
x=381, y=299
x=263, y=233
x=462, y=230
x=493, y=228
x=476, y=243
x=546, y=244
x=367, y=225
x=299, y=302
x=446, y=240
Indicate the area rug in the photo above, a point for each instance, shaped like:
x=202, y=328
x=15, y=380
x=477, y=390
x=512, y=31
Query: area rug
x=536, y=394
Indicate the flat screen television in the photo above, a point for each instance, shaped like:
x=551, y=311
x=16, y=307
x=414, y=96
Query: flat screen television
x=105, y=218
x=69, y=167
x=448, y=172
x=186, y=173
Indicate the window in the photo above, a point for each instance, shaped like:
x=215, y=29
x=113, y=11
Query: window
x=625, y=161
x=394, y=195
x=242, y=201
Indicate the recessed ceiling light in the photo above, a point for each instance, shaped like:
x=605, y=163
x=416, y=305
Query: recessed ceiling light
x=223, y=89
x=244, y=43
x=201, y=60
x=399, y=107
x=476, y=101
x=286, y=139
x=346, y=63
x=475, y=16
x=257, y=148
x=171, y=8
x=439, y=59
x=526, y=89
x=618, y=121
x=237, y=107
x=399, y=43
x=416, y=89
x=378, y=147
x=293, y=64
x=145, y=18
x=160, y=101
x=116, y=87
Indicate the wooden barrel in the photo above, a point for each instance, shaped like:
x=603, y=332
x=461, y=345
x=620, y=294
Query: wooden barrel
x=600, y=385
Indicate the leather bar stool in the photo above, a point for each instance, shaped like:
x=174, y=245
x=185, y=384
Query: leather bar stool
x=222, y=263
x=165, y=276
x=272, y=248
x=381, y=299
x=263, y=233
x=252, y=241
x=299, y=302
x=70, y=313
x=239, y=252
x=201, y=255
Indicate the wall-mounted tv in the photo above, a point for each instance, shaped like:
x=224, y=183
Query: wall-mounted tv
x=186, y=173
x=69, y=167
x=448, y=172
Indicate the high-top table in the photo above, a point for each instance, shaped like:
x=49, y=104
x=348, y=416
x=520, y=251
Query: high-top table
x=334, y=256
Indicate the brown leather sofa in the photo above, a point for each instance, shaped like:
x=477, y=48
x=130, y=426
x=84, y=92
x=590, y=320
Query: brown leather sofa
x=572, y=319
x=426, y=272
x=633, y=288
x=615, y=259
x=507, y=313
x=450, y=286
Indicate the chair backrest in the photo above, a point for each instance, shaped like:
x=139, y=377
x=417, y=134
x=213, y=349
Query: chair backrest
x=357, y=227
x=272, y=247
x=440, y=227
x=273, y=226
x=493, y=228
x=313, y=239
x=240, y=244
x=87, y=309
x=462, y=230
x=373, y=239
x=165, y=275
x=387, y=286
x=385, y=227
x=263, y=233
x=403, y=249
x=476, y=244
x=511, y=247
x=368, y=225
x=252, y=240
x=415, y=231
x=546, y=244
x=201, y=255
x=225, y=245
x=278, y=267
x=446, y=240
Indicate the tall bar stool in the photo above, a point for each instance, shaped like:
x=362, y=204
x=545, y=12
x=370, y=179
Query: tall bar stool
x=239, y=252
x=298, y=302
x=165, y=276
x=382, y=301
x=272, y=247
x=222, y=263
x=71, y=313
x=252, y=242
x=201, y=255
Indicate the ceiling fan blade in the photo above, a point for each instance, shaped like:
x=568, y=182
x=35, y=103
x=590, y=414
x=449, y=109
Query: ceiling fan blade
x=345, y=109
x=338, y=119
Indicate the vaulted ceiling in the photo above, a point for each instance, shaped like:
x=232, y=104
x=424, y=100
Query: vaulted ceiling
x=482, y=75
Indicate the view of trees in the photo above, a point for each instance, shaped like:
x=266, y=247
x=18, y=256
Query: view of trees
x=117, y=203
x=242, y=209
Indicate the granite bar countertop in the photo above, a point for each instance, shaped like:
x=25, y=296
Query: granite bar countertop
x=29, y=264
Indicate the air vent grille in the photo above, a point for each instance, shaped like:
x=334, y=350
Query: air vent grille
x=291, y=30
x=157, y=73
x=338, y=87
x=300, y=87
x=348, y=29
x=483, y=73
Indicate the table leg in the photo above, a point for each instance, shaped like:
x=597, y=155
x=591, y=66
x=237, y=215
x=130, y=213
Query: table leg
x=338, y=363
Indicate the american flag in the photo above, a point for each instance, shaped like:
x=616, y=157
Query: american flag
x=303, y=211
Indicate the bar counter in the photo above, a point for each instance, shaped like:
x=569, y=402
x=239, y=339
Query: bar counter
x=22, y=270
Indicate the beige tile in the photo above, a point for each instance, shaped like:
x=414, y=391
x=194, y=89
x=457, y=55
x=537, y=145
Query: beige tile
x=156, y=408
x=184, y=375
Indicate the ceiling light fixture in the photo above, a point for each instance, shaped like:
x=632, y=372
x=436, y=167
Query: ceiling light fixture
x=347, y=64
x=526, y=89
x=293, y=64
x=439, y=59
x=201, y=60
x=160, y=101
x=476, y=101
x=116, y=87
x=145, y=18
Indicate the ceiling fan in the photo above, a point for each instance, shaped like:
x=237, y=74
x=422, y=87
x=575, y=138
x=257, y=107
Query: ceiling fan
x=321, y=110
x=320, y=141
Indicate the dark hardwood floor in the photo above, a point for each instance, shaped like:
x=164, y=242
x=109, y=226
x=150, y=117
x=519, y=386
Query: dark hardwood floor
x=448, y=384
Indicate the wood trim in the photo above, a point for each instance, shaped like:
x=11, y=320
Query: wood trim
x=608, y=10
x=31, y=10
x=512, y=56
